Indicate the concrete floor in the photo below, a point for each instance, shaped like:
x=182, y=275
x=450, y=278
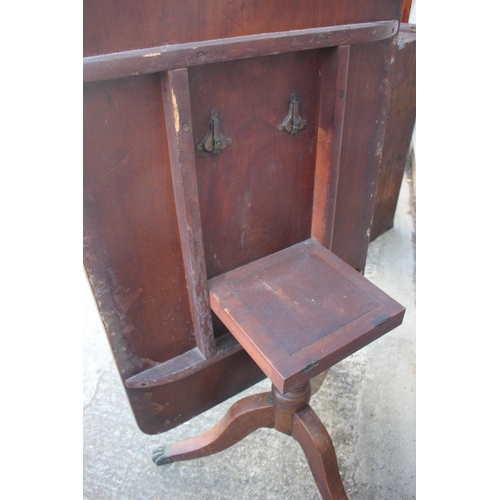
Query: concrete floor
x=367, y=404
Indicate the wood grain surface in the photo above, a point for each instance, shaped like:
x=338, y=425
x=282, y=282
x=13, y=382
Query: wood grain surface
x=367, y=97
x=255, y=198
x=177, y=107
x=398, y=135
x=169, y=57
x=300, y=310
x=109, y=26
x=333, y=85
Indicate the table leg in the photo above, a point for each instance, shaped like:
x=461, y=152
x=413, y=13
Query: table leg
x=244, y=417
x=309, y=431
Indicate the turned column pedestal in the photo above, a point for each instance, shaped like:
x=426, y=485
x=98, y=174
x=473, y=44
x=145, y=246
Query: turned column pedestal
x=296, y=313
x=288, y=413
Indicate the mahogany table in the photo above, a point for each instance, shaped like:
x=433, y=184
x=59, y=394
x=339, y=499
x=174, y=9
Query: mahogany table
x=216, y=134
x=296, y=312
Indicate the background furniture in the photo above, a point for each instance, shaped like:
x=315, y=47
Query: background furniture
x=398, y=135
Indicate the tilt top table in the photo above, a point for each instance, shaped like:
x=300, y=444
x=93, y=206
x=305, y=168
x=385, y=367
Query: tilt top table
x=296, y=312
x=209, y=147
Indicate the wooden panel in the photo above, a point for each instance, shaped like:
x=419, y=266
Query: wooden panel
x=133, y=258
x=400, y=123
x=256, y=195
x=131, y=246
x=300, y=309
x=110, y=26
x=161, y=408
x=367, y=96
x=288, y=294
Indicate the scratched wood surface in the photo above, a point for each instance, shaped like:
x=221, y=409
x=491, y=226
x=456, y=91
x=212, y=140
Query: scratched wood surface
x=132, y=244
x=177, y=105
x=131, y=250
x=133, y=257
x=400, y=123
x=367, y=95
x=256, y=196
x=169, y=57
x=300, y=310
x=111, y=26
x=333, y=86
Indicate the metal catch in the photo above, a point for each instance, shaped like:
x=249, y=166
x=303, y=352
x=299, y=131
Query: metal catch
x=310, y=366
x=214, y=141
x=293, y=121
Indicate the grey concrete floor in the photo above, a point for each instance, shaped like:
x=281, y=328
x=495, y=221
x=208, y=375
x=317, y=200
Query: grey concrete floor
x=367, y=404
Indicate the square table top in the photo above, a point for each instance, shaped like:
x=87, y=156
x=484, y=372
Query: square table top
x=301, y=310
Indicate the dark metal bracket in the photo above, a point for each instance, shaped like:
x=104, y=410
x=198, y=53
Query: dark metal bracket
x=214, y=141
x=293, y=121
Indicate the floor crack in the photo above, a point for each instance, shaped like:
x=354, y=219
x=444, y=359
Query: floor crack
x=92, y=398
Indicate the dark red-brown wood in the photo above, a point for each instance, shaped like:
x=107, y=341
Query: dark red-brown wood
x=133, y=256
x=243, y=418
x=287, y=413
x=400, y=124
x=256, y=196
x=158, y=407
x=179, y=127
x=110, y=26
x=184, y=365
x=334, y=71
x=406, y=10
x=367, y=95
x=169, y=57
x=133, y=251
x=299, y=311
x=311, y=434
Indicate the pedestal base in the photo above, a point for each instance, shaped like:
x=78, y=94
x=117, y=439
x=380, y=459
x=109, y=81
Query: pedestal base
x=289, y=413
